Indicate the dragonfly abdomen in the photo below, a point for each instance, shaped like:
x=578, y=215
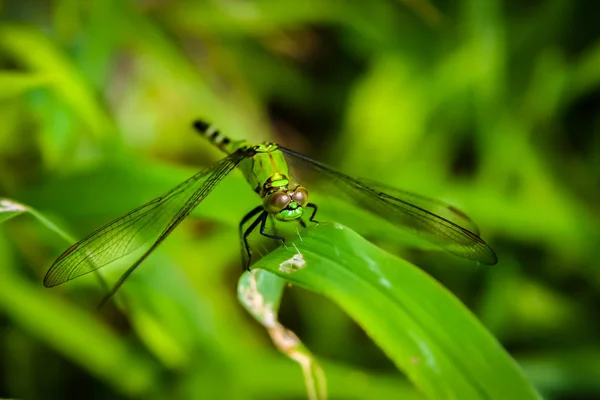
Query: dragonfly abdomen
x=221, y=141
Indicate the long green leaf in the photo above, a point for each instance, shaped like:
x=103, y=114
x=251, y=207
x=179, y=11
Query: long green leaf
x=10, y=209
x=68, y=329
x=260, y=293
x=16, y=83
x=421, y=326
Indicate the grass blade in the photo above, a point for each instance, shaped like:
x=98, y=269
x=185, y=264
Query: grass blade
x=421, y=326
x=260, y=293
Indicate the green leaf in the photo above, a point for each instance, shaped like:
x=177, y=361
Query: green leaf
x=420, y=325
x=260, y=293
x=67, y=328
x=35, y=51
x=77, y=335
x=10, y=208
x=16, y=83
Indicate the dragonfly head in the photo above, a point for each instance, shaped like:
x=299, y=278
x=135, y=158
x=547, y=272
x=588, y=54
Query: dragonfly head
x=285, y=204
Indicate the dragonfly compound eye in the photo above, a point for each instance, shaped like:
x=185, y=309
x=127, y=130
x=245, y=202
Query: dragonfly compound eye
x=300, y=196
x=276, y=202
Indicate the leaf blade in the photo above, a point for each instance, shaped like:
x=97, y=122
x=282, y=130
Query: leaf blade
x=425, y=330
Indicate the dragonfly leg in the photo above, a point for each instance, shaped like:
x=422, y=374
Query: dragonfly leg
x=246, y=252
x=301, y=222
x=263, y=224
x=312, y=217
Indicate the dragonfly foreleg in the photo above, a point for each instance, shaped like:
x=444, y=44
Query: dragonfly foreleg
x=246, y=252
x=263, y=225
x=312, y=217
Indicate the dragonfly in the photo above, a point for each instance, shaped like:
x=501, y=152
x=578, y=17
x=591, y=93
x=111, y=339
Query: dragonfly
x=266, y=168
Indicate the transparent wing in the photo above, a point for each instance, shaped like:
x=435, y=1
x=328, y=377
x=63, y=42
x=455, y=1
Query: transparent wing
x=434, y=206
x=147, y=225
x=397, y=209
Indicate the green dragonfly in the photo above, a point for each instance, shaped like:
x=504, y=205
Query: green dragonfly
x=265, y=167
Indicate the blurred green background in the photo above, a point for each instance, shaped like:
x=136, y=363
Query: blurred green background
x=489, y=105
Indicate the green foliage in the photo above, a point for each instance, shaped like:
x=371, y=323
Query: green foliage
x=488, y=105
x=425, y=330
x=260, y=293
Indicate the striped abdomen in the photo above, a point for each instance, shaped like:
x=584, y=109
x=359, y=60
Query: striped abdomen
x=215, y=137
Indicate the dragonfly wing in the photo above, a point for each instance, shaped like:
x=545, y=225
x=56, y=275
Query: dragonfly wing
x=437, y=229
x=434, y=206
x=147, y=225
